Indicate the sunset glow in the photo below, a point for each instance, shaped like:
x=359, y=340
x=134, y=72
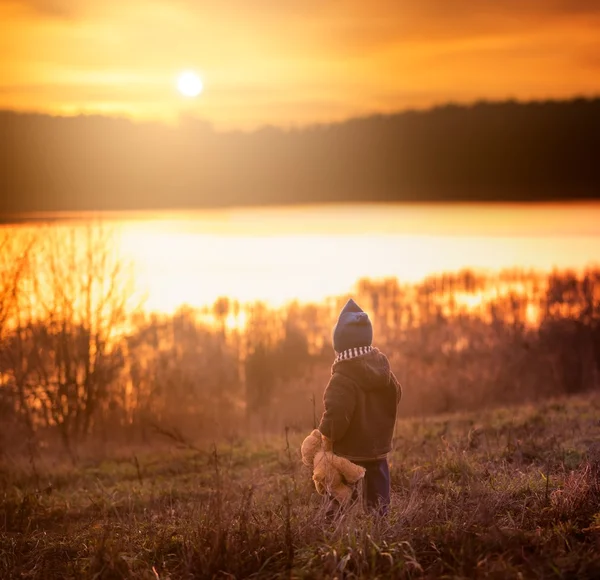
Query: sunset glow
x=239, y=238
x=292, y=65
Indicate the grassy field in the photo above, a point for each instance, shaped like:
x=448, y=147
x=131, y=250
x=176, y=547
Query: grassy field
x=510, y=493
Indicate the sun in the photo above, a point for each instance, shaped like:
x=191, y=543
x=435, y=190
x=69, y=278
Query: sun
x=189, y=84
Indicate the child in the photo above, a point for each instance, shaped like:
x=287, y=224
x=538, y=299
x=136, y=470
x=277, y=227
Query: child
x=360, y=404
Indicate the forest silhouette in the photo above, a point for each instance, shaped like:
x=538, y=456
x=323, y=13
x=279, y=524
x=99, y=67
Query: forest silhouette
x=505, y=151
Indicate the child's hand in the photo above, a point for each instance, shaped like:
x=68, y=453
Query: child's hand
x=327, y=443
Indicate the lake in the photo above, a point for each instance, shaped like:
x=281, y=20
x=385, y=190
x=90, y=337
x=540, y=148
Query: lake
x=278, y=254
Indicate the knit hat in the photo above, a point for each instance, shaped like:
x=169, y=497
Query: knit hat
x=353, y=328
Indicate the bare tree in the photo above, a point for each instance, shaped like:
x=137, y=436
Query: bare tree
x=83, y=299
x=15, y=254
x=16, y=248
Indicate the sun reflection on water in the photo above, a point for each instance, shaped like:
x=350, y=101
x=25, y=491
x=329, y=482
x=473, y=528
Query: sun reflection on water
x=282, y=254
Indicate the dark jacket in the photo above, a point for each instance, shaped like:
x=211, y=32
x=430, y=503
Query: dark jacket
x=360, y=401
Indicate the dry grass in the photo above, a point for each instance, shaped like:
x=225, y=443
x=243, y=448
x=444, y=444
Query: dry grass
x=514, y=493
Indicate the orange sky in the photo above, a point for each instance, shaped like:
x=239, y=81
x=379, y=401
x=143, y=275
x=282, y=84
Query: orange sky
x=292, y=63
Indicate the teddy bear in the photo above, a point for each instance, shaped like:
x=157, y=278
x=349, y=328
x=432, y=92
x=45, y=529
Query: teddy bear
x=332, y=474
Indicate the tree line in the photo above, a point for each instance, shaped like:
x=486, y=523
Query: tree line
x=503, y=151
x=80, y=358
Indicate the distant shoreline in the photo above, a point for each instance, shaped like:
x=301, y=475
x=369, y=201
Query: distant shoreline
x=174, y=213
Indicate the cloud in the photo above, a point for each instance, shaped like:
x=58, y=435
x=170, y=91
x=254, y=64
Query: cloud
x=363, y=26
x=400, y=16
x=355, y=29
x=47, y=8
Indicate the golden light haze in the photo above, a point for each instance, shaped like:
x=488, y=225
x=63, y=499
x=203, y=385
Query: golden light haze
x=309, y=253
x=291, y=63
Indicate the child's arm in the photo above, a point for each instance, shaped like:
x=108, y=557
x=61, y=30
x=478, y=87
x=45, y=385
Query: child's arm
x=339, y=400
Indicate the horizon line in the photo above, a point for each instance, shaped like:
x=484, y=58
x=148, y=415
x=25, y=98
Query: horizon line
x=182, y=119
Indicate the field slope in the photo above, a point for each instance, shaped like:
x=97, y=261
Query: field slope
x=510, y=493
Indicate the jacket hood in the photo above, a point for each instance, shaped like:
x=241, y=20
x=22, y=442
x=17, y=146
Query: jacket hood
x=370, y=371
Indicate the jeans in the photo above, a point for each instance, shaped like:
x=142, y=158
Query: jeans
x=375, y=487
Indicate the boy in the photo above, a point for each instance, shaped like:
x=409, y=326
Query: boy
x=360, y=404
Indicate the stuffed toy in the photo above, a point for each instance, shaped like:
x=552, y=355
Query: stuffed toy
x=332, y=475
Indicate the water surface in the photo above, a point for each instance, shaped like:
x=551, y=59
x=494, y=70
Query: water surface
x=308, y=253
